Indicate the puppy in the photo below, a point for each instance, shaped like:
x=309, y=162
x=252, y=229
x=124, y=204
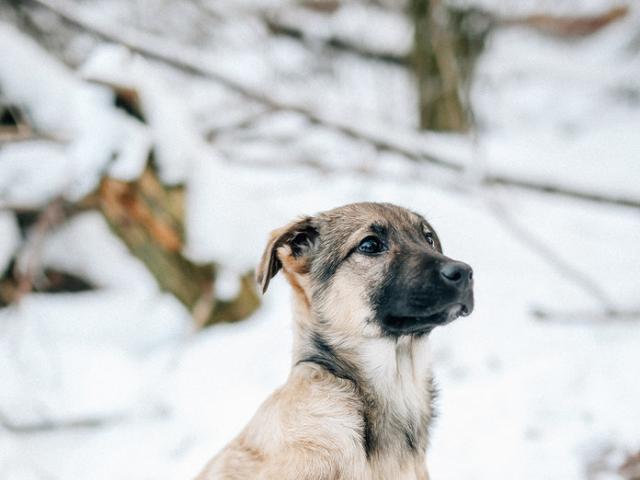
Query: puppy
x=370, y=283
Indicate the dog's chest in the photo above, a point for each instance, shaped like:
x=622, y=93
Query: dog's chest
x=398, y=403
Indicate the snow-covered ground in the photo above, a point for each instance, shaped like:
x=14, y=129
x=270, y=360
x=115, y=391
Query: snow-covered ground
x=147, y=398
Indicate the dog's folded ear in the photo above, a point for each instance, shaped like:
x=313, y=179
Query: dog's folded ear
x=300, y=236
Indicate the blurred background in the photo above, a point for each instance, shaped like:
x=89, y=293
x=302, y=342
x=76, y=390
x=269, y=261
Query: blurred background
x=147, y=147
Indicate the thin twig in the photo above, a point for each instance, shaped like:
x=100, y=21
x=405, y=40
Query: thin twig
x=554, y=189
x=69, y=208
x=576, y=317
x=239, y=124
x=569, y=26
x=184, y=58
x=51, y=425
x=203, y=307
x=8, y=135
x=278, y=27
x=28, y=265
x=89, y=422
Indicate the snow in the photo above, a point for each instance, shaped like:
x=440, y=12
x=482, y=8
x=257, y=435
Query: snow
x=70, y=110
x=32, y=173
x=518, y=398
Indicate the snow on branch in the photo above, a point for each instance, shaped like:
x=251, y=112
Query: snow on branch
x=191, y=61
x=85, y=133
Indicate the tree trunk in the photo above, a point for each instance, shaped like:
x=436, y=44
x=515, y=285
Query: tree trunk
x=446, y=45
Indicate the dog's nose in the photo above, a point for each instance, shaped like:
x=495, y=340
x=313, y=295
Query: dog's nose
x=456, y=274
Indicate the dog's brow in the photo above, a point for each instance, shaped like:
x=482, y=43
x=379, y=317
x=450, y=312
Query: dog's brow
x=378, y=229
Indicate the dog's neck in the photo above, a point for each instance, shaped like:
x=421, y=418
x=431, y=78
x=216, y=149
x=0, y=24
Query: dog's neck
x=391, y=374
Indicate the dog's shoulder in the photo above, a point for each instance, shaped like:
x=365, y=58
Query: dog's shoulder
x=313, y=411
x=307, y=425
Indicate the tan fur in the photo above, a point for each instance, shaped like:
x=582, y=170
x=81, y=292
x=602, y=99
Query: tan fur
x=294, y=270
x=313, y=427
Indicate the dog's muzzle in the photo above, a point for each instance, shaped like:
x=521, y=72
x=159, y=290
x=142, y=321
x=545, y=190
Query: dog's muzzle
x=449, y=295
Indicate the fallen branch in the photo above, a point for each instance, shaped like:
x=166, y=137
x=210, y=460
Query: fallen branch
x=185, y=59
x=147, y=216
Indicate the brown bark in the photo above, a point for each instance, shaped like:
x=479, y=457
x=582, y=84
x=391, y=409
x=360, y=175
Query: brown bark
x=447, y=43
x=147, y=216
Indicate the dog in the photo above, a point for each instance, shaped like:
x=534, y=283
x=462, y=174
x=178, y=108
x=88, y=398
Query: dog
x=370, y=283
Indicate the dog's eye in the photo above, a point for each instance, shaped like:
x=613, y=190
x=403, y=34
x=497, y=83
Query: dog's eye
x=371, y=245
x=430, y=240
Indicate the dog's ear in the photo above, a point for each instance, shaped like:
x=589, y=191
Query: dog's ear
x=300, y=236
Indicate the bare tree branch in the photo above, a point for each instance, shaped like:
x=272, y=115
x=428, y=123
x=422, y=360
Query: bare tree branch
x=51, y=425
x=410, y=145
x=278, y=27
x=244, y=122
x=562, y=26
x=561, y=190
x=551, y=257
x=569, y=25
x=28, y=266
x=577, y=317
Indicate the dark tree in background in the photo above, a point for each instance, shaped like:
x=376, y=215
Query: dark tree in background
x=447, y=42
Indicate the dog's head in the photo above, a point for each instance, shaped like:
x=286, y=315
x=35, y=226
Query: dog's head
x=375, y=269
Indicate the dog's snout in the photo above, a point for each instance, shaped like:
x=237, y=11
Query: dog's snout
x=456, y=274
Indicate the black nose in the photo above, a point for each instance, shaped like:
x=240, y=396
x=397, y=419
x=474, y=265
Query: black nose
x=456, y=274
